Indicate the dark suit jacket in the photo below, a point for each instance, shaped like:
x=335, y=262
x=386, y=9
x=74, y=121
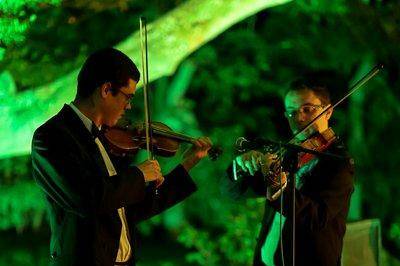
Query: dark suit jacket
x=82, y=198
x=322, y=205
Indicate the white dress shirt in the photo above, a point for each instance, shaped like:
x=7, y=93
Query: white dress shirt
x=124, y=250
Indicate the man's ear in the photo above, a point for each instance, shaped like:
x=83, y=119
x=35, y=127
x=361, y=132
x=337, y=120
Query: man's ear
x=105, y=89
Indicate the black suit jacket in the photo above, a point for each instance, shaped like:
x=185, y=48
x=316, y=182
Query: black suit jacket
x=82, y=198
x=322, y=205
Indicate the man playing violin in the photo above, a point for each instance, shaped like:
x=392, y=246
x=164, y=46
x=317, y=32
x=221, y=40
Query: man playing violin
x=323, y=187
x=95, y=200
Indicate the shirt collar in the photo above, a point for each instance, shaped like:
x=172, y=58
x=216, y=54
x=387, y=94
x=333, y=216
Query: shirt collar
x=86, y=121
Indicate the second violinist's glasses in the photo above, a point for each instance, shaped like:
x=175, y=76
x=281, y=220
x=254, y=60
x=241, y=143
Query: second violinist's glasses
x=307, y=109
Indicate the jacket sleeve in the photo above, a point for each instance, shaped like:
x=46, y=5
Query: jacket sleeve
x=333, y=196
x=67, y=175
x=177, y=186
x=246, y=186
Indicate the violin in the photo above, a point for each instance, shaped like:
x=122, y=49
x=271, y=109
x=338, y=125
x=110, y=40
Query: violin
x=318, y=142
x=314, y=145
x=123, y=141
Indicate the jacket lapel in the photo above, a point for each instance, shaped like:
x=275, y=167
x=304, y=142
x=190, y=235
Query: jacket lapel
x=84, y=139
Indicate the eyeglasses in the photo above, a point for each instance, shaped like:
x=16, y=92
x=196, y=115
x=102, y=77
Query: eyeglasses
x=128, y=97
x=306, y=109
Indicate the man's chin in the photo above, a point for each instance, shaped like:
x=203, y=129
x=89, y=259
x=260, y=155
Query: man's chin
x=111, y=123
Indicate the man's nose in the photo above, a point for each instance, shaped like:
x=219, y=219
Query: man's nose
x=128, y=106
x=300, y=116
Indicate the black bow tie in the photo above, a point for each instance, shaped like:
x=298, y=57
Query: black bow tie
x=95, y=131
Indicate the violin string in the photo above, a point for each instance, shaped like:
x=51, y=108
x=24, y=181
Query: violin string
x=171, y=133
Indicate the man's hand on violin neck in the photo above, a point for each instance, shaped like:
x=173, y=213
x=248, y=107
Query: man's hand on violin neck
x=195, y=153
x=151, y=171
x=253, y=161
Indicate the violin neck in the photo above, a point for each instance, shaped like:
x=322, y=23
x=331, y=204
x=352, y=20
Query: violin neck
x=177, y=136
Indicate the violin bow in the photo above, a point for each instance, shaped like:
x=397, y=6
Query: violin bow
x=145, y=71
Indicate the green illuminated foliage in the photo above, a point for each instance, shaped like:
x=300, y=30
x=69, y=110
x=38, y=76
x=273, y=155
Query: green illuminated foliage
x=170, y=41
x=21, y=206
x=16, y=17
x=225, y=87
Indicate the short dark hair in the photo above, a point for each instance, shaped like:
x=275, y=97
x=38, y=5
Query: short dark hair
x=105, y=65
x=320, y=90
